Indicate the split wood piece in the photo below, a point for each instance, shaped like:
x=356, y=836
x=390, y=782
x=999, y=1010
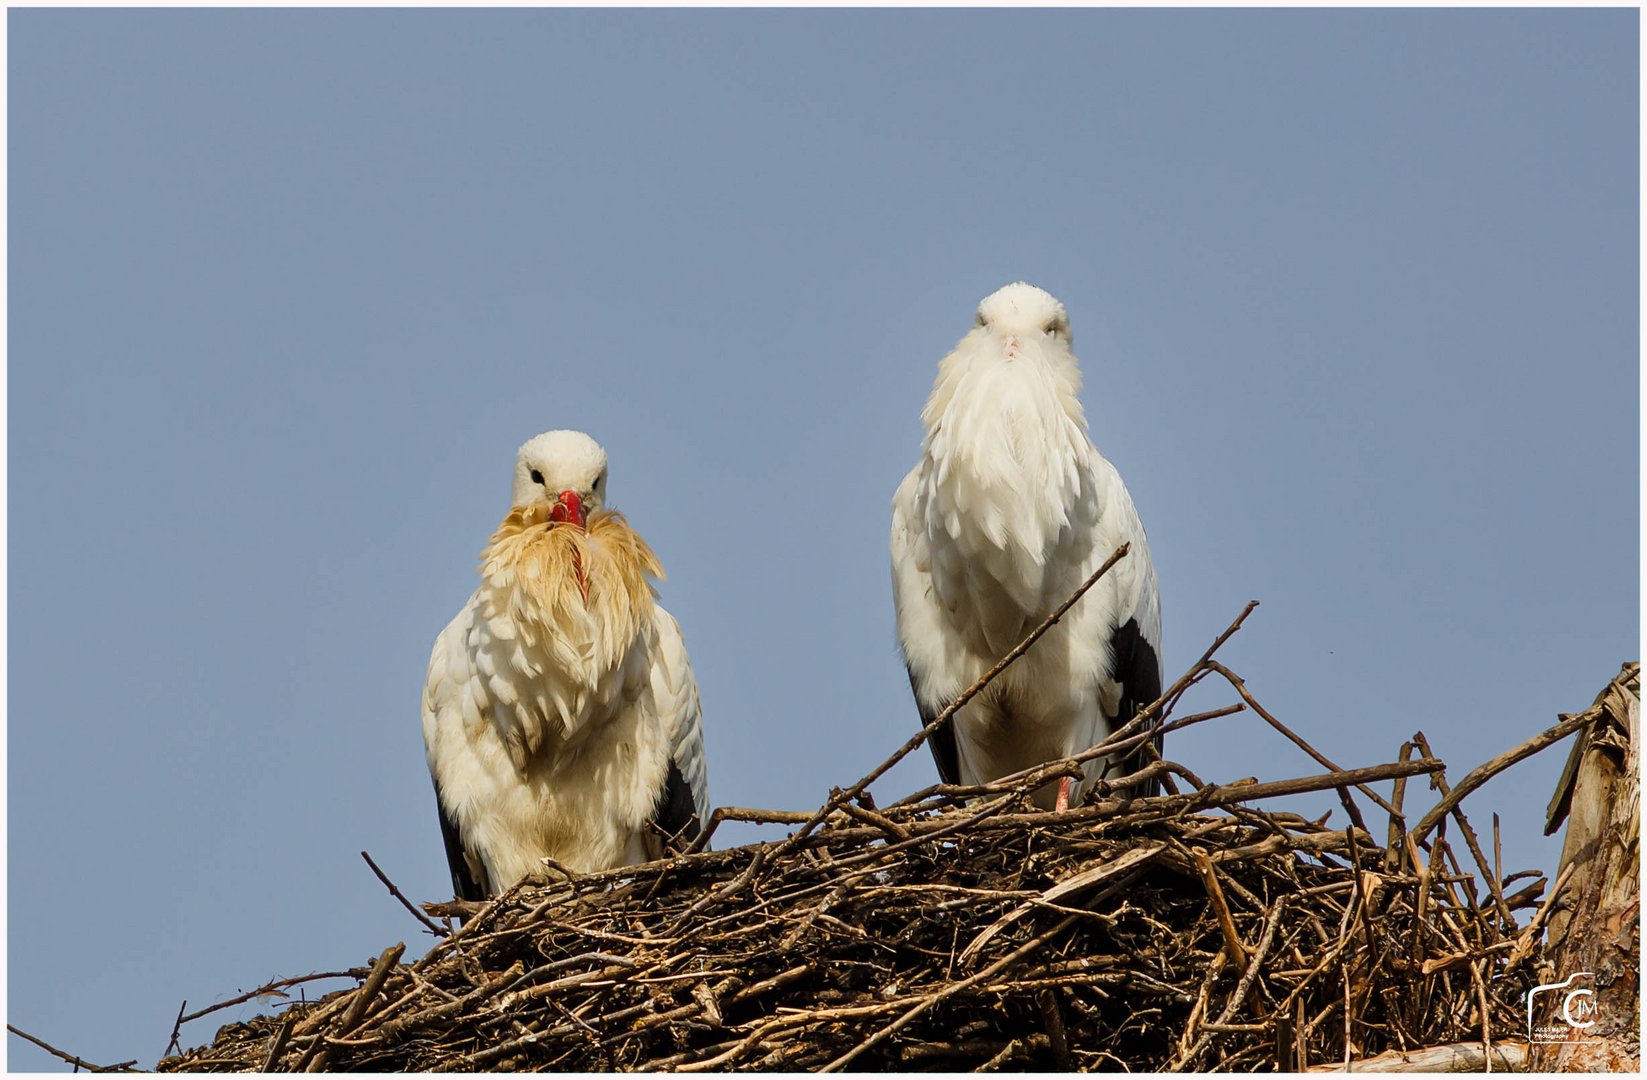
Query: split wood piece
x=1595, y=920
x=1215, y=896
x=1084, y=880
x=1451, y=1058
x=361, y=1001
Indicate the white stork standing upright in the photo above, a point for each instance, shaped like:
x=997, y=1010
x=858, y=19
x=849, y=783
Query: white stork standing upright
x=1009, y=510
x=560, y=715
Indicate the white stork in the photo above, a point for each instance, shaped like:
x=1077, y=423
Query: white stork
x=1010, y=508
x=560, y=715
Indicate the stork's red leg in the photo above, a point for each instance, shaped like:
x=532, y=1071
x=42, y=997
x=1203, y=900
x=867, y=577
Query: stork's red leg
x=1066, y=789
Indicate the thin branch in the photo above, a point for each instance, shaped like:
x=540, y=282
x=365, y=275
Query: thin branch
x=77, y=1062
x=177, y=1029
x=1298, y=741
x=1482, y=773
x=1326, y=781
x=272, y=987
x=1470, y=840
x=405, y=903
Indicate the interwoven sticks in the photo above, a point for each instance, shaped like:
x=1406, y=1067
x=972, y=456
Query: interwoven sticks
x=965, y=928
x=962, y=927
x=960, y=949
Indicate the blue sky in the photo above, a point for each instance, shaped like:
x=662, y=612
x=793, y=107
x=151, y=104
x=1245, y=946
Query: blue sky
x=1355, y=292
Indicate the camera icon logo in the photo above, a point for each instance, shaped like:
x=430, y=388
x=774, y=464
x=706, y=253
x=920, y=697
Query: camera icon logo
x=1563, y=1012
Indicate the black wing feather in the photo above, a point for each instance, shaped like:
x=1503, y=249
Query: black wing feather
x=940, y=742
x=1138, y=670
x=464, y=885
x=676, y=811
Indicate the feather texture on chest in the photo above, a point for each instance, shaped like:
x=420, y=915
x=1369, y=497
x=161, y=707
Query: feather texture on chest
x=1005, y=491
x=566, y=613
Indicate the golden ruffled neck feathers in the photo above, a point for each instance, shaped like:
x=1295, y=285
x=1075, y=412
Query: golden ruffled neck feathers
x=548, y=571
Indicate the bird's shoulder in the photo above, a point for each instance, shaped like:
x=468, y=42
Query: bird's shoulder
x=908, y=537
x=1135, y=590
x=679, y=707
x=671, y=669
x=449, y=660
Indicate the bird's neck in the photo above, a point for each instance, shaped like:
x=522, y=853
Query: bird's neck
x=1011, y=488
x=1004, y=362
x=578, y=599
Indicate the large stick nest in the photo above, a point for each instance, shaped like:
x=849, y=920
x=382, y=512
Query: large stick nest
x=964, y=928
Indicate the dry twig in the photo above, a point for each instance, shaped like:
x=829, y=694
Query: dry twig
x=77, y=1062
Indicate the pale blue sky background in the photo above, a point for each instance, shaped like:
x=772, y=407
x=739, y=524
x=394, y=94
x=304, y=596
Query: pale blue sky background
x=1356, y=295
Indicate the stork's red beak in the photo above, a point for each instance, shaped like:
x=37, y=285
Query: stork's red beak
x=569, y=507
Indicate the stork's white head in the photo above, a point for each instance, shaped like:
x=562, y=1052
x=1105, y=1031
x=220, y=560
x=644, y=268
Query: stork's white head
x=566, y=469
x=1024, y=310
x=1021, y=332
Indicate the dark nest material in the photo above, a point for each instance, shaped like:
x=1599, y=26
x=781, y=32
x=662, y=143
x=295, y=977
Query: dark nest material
x=963, y=928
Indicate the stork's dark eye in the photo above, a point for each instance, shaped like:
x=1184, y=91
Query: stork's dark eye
x=537, y=477
x=981, y=321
